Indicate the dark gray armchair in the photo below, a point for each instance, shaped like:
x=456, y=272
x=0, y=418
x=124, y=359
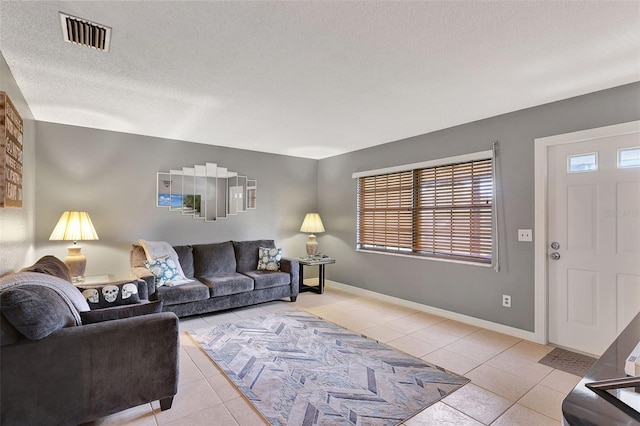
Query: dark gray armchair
x=80, y=372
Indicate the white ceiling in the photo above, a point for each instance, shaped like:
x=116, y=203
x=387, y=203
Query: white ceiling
x=313, y=79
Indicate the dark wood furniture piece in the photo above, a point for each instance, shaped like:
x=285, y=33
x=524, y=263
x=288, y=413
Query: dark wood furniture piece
x=584, y=406
x=317, y=261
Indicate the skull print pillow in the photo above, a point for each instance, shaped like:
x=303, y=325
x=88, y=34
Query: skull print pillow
x=111, y=294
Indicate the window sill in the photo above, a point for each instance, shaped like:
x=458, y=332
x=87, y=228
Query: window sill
x=436, y=259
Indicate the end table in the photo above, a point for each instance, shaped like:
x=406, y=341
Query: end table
x=313, y=261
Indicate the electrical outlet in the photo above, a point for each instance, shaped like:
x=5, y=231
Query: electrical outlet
x=506, y=300
x=525, y=235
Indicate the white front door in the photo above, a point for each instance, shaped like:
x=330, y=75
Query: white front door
x=594, y=217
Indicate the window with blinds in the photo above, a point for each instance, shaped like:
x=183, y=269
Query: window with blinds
x=443, y=211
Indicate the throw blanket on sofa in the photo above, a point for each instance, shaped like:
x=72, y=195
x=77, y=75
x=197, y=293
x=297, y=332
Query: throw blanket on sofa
x=71, y=295
x=50, y=265
x=157, y=249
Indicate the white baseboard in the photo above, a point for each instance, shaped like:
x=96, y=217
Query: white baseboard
x=500, y=328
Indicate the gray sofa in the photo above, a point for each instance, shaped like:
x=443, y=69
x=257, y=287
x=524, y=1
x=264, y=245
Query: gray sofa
x=224, y=277
x=64, y=364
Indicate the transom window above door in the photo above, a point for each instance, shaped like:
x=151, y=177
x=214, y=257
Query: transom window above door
x=582, y=163
x=629, y=157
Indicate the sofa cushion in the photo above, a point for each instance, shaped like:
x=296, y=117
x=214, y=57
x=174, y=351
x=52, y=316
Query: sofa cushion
x=119, y=312
x=35, y=311
x=247, y=253
x=185, y=256
x=226, y=284
x=183, y=293
x=213, y=259
x=111, y=294
x=269, y=259
x=268, y=279
x=50, y=265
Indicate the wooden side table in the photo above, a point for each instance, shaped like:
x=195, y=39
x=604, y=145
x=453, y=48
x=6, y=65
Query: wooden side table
x=313, y=261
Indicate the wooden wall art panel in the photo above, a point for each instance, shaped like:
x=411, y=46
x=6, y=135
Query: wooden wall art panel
x=11, y=164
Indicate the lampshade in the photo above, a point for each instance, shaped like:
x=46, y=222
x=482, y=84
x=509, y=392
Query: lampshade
x=74, y=226
x=312, y=224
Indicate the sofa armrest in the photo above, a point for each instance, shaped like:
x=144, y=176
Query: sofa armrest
x=292, y=267
x=144, y=274
x=78, y=374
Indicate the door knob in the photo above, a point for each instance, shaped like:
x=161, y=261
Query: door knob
x=554, y=256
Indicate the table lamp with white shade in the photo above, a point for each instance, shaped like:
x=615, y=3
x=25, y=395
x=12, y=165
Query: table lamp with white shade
x=312, y=224
x=74, y=226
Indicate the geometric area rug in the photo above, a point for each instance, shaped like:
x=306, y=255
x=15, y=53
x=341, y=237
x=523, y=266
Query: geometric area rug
x=298, y=369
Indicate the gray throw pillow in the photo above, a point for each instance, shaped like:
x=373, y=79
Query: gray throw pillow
x=185, y=256
x=35, y=311
x=213, y=259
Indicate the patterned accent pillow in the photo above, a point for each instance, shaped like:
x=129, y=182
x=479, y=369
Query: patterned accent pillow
x=111, y=294
x=164, y=269
x=166, y=272
x=269, y=259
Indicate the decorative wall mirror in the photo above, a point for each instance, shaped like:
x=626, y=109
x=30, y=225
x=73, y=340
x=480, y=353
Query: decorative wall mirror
x=221, y=191
x=199, y=190
x=242, y=188
x=188, y=191
x=235, y=195
x=210, y=203
x=252, y=187
x=205, y=191
x=163, y=190
x=175, y=190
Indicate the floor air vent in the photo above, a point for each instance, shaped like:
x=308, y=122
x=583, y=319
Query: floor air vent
x=85, y=33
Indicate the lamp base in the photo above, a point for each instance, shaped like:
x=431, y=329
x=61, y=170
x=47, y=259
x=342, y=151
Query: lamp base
x=312, y=246
x=76, y=262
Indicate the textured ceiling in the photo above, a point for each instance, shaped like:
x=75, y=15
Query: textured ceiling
x=313, y=79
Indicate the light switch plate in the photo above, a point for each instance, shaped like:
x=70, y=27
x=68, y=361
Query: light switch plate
x=525, y=235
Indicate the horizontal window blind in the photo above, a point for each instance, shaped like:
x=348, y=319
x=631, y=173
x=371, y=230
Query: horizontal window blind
x=386, y=214
x=443, y=211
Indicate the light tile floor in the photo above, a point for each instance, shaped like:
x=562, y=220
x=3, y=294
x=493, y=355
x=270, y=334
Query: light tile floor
x=508, y=386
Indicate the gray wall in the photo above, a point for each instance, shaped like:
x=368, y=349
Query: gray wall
x=469, y=290
x=17, y=225
x=113, y=177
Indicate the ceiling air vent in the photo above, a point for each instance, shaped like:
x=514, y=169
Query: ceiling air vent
x=85, y=33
